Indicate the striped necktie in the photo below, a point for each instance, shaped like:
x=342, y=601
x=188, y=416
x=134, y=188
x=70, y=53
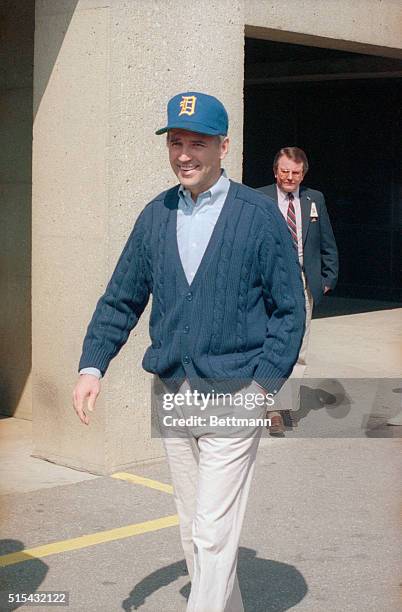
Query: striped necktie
x=291, y=219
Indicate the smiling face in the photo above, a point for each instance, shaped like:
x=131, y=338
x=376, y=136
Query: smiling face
x=289, y=174
x=196, y=159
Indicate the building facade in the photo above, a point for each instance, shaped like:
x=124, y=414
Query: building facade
x=84, y=85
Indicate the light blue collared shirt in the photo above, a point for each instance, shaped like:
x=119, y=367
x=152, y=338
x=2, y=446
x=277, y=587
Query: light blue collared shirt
x=196, y=222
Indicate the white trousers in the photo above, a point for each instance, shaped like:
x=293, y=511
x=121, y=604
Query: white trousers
x=211, y=479
x=301, y=363
x=288, y=397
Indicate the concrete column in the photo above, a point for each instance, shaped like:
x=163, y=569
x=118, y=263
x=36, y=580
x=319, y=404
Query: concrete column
x=16, y=58
x=103, y=74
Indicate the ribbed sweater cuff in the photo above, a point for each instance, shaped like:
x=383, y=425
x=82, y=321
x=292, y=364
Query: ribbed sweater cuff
x=95, y=357
x=269, y=377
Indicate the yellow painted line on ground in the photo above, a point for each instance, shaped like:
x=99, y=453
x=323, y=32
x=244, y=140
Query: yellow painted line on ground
x=88, y=540
x=145, y=482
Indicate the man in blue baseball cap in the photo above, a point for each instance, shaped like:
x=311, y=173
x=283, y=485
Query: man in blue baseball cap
x=227, y=323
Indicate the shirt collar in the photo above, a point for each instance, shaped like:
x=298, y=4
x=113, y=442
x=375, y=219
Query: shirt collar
x=210, y=196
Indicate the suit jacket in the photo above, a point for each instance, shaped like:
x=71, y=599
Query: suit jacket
x=320, y=254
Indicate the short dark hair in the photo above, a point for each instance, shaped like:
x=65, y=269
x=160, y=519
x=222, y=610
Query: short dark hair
x=295, y=154
x=220, y=137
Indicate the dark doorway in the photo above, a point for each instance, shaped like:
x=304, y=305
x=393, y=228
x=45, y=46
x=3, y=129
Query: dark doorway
x=17, y=27
x=344, y=110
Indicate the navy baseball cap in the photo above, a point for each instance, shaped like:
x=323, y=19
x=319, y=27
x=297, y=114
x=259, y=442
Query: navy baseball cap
x=196, y=112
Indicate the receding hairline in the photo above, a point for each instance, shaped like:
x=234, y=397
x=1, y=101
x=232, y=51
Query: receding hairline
x=293, y=153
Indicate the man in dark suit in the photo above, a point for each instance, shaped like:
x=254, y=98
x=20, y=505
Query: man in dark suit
x=305, y=212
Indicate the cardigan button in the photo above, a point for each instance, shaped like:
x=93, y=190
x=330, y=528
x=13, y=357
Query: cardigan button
x=186, y=329
x=189, y=296
x=186, y=359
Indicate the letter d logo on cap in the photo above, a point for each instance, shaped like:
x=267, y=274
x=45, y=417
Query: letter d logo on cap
x=187, y=105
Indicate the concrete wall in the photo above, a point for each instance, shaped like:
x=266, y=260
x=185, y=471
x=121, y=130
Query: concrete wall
x=16, y=75
x=103, y=75
x=365, y=26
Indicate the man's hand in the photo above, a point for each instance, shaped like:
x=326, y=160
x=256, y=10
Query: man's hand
x=326, y=289
x=87, y=389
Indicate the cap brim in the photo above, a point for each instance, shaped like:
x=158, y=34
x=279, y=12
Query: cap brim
x=191, y=127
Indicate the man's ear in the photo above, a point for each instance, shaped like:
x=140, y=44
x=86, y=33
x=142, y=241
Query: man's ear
x=224, y=147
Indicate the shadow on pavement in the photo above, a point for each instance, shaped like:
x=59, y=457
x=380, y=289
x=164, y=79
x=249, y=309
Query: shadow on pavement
x=336, y=306
x=19, y=578
x=333, y=398
x=375, y=424
x=152, y=583
x=266, y=586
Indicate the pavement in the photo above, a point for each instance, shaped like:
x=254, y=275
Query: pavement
x=323, y=529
